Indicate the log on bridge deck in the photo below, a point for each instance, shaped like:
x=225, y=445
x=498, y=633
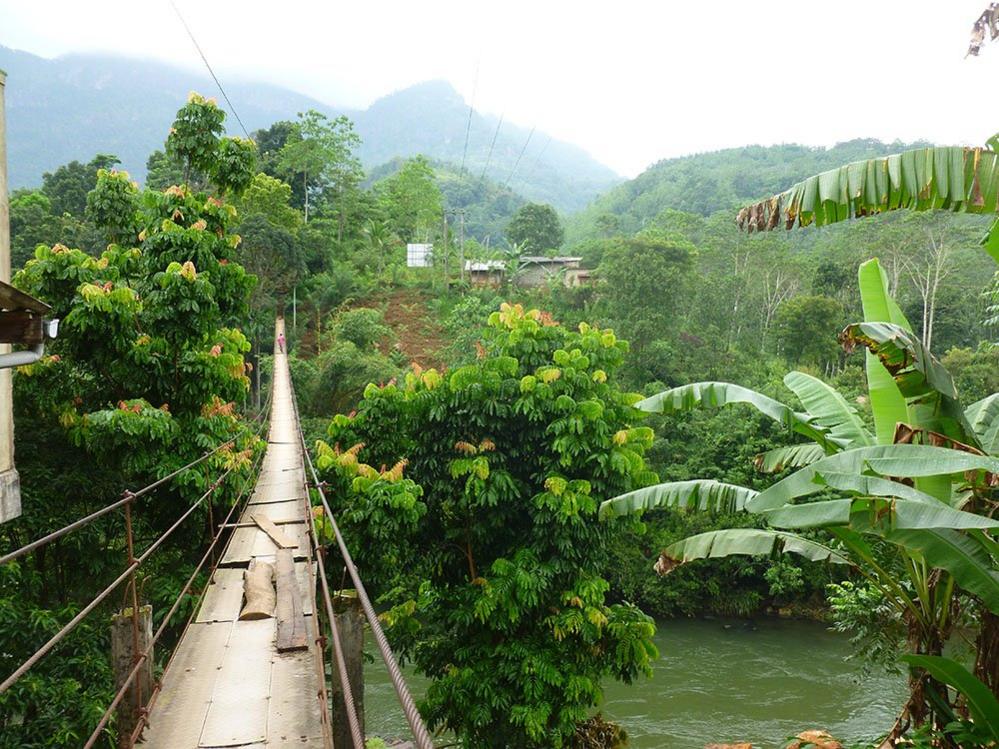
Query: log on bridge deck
x=228, y=685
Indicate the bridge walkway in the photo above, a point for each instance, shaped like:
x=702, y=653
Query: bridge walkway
x=227, y=685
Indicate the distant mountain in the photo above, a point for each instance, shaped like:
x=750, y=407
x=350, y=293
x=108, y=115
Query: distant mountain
x=75, y=106
x=719, y=180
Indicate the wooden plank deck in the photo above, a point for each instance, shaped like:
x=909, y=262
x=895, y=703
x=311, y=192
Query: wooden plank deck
x=228, y=685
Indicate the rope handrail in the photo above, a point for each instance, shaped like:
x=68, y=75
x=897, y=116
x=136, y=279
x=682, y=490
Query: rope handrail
x=127, y=497
x=413, y=717
x=353, y=722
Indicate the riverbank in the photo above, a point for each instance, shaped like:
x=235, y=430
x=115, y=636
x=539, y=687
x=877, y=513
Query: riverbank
x=725, y=680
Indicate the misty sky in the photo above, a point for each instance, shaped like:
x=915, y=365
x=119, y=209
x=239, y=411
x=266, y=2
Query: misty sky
x=631, y=82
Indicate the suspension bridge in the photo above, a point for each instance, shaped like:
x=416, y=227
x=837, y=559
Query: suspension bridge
x=261, y=657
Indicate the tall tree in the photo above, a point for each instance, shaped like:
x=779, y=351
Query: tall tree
x=321, y=152
x=67, y=186
x=412, y=200
x=538, y=226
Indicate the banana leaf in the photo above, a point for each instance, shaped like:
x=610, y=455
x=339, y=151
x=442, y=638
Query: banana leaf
x=748, y=542
x=982, y=704
x=984, y=419
x=864, y=513
x=700, y=494
x=718, y=394
x=883, y=460
x=827, y=408
x=792, y=456
x=887, y=403
x=960, y=554
x=941, y=177
x=921, y=379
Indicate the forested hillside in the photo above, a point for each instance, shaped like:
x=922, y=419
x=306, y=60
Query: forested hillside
x=708, y=182
x=75, y=106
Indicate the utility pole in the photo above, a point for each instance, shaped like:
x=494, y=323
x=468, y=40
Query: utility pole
x=294, y=308
x=461, y=243
x=444, y=251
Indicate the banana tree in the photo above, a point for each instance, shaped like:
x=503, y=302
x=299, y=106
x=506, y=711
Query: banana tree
x=921, y=484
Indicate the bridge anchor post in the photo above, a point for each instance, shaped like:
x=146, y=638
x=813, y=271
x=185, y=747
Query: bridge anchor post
x=350, y=624
x=125, y=653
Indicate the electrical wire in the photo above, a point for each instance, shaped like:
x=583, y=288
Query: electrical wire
x=468, y=127
x=519, y=157
x=492, y=145
x=207, y=65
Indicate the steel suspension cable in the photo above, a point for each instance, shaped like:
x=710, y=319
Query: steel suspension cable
x=356, y=734
x=127, y=497
x=119, y=696
x=72, y=623
x=413, y=717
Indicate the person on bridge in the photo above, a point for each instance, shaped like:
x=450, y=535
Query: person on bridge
x=280, y=342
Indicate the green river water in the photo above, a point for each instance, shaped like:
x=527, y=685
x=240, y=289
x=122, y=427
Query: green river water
x=718, y=681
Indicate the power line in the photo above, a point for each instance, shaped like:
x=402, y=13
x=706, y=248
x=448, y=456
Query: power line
x=491, y=145
x=205, y=60
x=468, y=127
x=537, y=161
x=519, y=157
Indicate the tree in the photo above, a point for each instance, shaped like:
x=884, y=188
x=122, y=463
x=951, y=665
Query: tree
x=480, y=530
x=806, y=328
x=321, y=153
x=67, y=186
x=112, y=205
x=936, y=523
x=194, y=137
x=538, y=226
x=270, y=198
x=145, y=376
x=647, y=305
x=162, y=172
x=411, y=200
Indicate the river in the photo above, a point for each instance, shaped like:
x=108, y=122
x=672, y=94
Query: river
x=721, y=680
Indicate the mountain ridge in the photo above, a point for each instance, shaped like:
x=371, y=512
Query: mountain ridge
x=80, y=104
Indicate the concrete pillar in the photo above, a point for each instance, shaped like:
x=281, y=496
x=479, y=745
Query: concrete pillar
x=123, y=659
x=350, y=623
x=10, y=488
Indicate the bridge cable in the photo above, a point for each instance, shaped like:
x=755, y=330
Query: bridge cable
x=413, y=717
x=128, y=498
x=207, y=65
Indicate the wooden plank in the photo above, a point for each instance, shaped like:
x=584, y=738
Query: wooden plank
x=224, y=597
x=237, y=714
x=305, y=586
x=294, y=709
x=291, y=632
x=258, y=589
x=178, y=715
x=267, y=526
x=250, y=542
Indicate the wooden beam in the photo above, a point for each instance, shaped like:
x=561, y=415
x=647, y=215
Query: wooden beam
x=258, y=589
x=267, y=526
x=20, y=326
x=291, y=632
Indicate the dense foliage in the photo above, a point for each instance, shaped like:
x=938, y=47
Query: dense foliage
x=482, y=536
x=147, y=374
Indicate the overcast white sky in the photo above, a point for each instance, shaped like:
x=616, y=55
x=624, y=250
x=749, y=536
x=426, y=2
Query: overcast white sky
x=629, y=81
